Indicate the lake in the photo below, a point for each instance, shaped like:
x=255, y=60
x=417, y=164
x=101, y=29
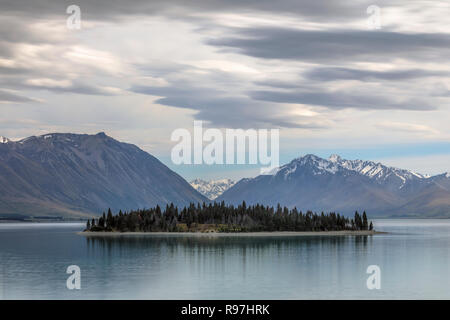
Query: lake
x=414, y=260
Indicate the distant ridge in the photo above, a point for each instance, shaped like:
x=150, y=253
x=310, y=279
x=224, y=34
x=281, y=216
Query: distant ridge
x=212, y=188
x=64, y=174
x=314, y=183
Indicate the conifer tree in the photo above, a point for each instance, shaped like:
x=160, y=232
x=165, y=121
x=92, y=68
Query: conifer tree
x=364, y=222
x=109, y=219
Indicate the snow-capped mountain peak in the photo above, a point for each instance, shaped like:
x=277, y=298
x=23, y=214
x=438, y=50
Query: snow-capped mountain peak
x=315, y=163
x=373, y=170
x=334, y=158
x=4, y=139
x=377, y=170
x=313, y=183
x=213, y=188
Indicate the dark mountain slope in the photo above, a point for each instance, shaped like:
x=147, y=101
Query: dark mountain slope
x=67, y=174
x=335, y=184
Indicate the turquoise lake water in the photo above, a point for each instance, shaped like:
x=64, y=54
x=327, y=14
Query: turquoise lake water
x=414, y=260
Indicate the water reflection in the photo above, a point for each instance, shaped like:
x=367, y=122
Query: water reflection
x=414, y=257
x=221, y=245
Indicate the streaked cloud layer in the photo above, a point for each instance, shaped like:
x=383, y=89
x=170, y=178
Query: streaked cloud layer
x=140, y=69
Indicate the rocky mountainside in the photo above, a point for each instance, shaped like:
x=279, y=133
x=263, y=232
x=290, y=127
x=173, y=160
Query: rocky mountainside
x=75, y=175
x=213, y=188
x=336, y=184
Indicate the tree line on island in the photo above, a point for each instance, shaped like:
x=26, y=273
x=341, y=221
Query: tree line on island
x=219, y=217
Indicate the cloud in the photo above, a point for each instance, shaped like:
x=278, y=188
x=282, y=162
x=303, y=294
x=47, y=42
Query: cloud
x=41, y=56
x=333, y=74
x=17, y=30
x=224, y=110
x=139, y=65
x=333, y=46
x=408, y=127
x=104, y=9
x=9, y=96
x=342, y=100
x=67, y=86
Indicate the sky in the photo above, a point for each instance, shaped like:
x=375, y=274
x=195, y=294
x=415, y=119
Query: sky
x=333, y=78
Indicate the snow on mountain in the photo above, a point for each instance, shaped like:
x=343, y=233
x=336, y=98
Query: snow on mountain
x=4, y=140
x=376, y=171
x=318, y=166
x=213, y=188
x=336, y=184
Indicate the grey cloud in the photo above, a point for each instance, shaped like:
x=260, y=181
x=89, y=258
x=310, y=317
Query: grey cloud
x=223, y=110
x=17, y=29
x=104, y=9
x=252, y=115
x=161, y=68
x=177, y=92
x=75, y=88
x=332, y=74
x=341, y=100
x=225, y=104
x=13, y=70
x=314, y=76
x=8, y=97
x=334, y=46
x=18, y=83
x=279, y=84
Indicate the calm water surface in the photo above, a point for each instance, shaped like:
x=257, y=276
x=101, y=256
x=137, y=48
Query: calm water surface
x=414, y=259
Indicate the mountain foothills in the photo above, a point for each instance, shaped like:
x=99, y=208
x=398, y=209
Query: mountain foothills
x=213, y=188
x=336, y=184
x=79, y=175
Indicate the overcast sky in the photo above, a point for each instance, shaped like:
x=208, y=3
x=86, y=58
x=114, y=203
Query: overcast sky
x=139, y=69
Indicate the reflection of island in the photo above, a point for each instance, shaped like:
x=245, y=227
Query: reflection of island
x=188, y=244
x=219, y=218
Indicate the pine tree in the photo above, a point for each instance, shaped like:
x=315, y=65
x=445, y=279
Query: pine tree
x=358, y=222
x=103, y=219
x=364, y=221
x=109, y=220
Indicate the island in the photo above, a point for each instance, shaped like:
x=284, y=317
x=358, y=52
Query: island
x=219, y=218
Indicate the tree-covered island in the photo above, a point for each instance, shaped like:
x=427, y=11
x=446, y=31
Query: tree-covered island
x=218, y=217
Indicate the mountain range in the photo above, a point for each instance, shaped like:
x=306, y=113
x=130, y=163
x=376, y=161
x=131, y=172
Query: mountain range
x=212, y=188
x=336, y=184
x=80, y=175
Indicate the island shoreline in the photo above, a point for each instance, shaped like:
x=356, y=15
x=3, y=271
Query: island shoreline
x=235, y=234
